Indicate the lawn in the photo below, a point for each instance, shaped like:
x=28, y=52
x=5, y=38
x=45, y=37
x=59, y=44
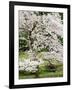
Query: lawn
x=44, y=70
x=42, y=73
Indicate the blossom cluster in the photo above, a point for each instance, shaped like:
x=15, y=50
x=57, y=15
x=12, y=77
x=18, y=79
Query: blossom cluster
x=29, y=65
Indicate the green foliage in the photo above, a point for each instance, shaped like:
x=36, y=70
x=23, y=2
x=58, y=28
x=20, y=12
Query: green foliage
x=61, y=14
x=23, y=55
x=23, y=34
x=44, y=50
x=41, y=13
x=23, y=43
x=60, y=39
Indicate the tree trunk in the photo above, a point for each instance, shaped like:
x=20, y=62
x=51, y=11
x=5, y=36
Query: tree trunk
x=31, y=47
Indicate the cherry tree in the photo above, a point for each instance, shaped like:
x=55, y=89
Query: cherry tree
x=45, y=33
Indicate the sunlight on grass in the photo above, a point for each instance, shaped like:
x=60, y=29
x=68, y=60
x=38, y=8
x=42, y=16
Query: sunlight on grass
x=23, y=55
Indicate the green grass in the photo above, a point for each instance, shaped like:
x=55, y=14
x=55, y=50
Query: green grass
x=44, y=70
x=43, y=73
